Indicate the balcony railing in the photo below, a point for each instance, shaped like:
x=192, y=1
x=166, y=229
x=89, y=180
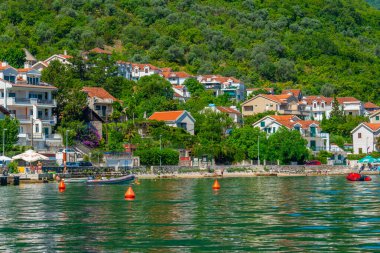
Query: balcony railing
x=23, y=117
x=34, y=101
x=319, y=148
x=317, y=135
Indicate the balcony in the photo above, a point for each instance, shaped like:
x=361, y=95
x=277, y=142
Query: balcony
x=27, y=119
x=29, y=101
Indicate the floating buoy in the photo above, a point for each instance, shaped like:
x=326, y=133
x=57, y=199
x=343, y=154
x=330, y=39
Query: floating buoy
x=61, y=185
x=216, y=185
x=129, y=195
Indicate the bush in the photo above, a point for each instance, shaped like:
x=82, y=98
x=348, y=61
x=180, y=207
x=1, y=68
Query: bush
x=152, y=156
x=13, y=167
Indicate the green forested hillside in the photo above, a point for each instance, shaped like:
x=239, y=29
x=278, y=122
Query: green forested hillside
x=320, y=45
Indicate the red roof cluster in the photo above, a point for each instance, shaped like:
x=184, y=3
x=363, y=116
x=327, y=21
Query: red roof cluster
x=227, y=110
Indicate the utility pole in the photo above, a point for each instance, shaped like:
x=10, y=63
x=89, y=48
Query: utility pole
x=258, y=149
x=4, y=140
x=32, y=131
x=160, y=150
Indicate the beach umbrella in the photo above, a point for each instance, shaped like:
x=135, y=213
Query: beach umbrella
x=367, y=159
x=30, y=156
x=5, y=158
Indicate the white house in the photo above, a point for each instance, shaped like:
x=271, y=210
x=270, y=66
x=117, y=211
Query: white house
x=62, y=58
x=182, y=119
x=220, y=85
x=100, y=101
x=316, y=107
x=351, y=106
x=31, y=102
x=309, y=129
x=364, y=137
x=140, y=70
x=175, y=78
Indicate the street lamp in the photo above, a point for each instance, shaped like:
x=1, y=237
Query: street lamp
x=3, y=140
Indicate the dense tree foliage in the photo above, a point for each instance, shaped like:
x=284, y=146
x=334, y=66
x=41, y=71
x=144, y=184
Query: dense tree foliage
x=307, y=44
x=10, y=135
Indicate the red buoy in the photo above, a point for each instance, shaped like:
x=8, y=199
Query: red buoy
x=358, y=177
x=61, y=185
x=216, y=185
x=129, y=195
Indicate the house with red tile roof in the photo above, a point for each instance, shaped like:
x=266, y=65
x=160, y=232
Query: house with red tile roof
x=374, y=117
x=370, y=107
x=220, y=85
x=310, y=130
x=180, y=93
x=365, y=137
x=232, y=112
x=283, y=104
x=316, y=107
x=180, y=119
x=62, y=58
x=351, y=106
x=31, y=102
x=100, y=101
x=175, y=78
x=141, y=69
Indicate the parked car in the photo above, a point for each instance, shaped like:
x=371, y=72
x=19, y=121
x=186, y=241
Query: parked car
x=313, y=162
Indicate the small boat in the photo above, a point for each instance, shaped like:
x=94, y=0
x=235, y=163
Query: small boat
x=77, y=180
x=358, y=177
x=115, y=180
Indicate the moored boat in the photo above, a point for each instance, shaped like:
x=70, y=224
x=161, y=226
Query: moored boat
x=115, y=180
x=358, y=177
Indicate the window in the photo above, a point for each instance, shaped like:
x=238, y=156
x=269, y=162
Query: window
x=323, y=105
x=37, y=128
x=136, y=71
x=377, y=117
x=11, y=79
x=248, y=108
x=360, y=151
x=12, y=95
x=314, y=105
x=183, y=125
x=21, y=130
x=97, y=107
x=359, y=135
x=262, y=123
x=146, y=70
x=350, y=113
x=32, y=80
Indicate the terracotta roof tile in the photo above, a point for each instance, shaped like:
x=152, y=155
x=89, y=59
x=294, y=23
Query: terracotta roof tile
x=66, y=56
x=279, y=98
x=342, y=100
x=370, y=105
x=310, y=99
x=228, y=110
x=98, y=92
x=175, y=74
x=373, y=126
x=142, y=66
x=166, y=116
x=218, y=78
x=24, y=70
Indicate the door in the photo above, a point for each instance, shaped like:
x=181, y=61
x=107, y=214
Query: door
x=46, y=131
x=312, y=131
x=313, y=145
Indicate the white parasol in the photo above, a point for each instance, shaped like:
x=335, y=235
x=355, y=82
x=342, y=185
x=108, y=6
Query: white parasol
x=5, y=158
x=30, y=156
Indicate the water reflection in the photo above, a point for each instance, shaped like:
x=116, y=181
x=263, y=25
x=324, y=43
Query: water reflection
x=246, y=214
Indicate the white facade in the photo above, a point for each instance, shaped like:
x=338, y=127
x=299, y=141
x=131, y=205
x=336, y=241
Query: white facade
x=31, y=102
x=364, y=138
x=180, y=119
x=140, y=70
x=317, y=107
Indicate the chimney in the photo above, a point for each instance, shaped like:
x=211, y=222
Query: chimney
x=65, y=52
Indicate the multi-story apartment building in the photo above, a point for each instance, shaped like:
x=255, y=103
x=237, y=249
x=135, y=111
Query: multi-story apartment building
x=310, y=130
x=220, y=85
x=317, y=107
x=124, y=69
x=31, y=102
x=175, y=78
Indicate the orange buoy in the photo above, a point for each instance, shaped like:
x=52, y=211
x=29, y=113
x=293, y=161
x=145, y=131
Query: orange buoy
x=129, y=195
x=216, y=185
x=62, y=185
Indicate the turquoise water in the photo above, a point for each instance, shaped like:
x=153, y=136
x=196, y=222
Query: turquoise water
x=299, y=214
